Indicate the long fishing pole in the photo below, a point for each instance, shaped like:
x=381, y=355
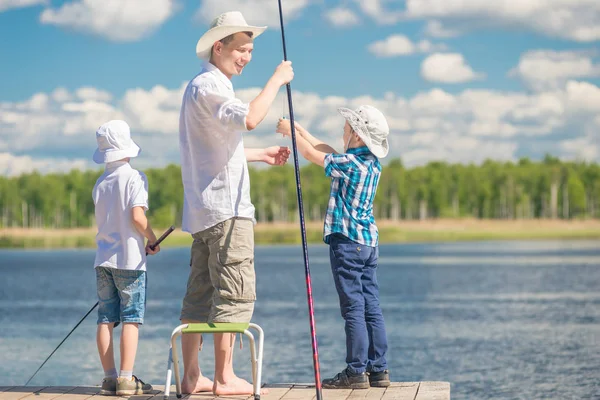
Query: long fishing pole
x=311, y=311
x=160, y=239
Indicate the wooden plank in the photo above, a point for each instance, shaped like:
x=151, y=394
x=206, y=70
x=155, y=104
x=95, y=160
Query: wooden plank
x=159, y=393
x=434, y=391
x=50, y=392
x=5, y=388
x=300, y=392
x=339, y=394
x=401, y=391
x=374, y=393
x=276, y=391
x=81, y=393
x=18, y=392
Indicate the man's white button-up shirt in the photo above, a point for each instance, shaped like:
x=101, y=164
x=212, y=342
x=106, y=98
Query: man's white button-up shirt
x=213, y=164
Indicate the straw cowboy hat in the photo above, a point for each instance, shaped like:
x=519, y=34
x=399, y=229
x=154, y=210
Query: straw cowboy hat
x=114, y=142
x=224, y=25
x=371, y=126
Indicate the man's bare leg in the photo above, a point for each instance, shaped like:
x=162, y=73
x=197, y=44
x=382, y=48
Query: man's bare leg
x=226, y=382
x=193, y=381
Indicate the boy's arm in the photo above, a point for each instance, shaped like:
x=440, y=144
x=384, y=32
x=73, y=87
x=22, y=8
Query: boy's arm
x=318, y=144
x=313, y=154
x=259, y=107
x=284, y=127
x=141, y=223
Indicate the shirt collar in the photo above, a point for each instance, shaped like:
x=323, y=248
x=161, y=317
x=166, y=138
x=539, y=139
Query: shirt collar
x=363, y=150
x=210, y=67
x=111, y=166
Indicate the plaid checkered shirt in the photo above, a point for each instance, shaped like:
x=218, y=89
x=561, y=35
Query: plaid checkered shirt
x=354, y=177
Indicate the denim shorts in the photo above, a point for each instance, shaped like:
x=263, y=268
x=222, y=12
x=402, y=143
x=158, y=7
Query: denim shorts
x=121, y=295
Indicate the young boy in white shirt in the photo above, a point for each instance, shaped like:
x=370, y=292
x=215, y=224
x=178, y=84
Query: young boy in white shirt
x=121, y=200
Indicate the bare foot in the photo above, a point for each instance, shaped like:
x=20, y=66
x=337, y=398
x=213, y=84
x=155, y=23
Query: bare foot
x=235, y=386
x=203, y=384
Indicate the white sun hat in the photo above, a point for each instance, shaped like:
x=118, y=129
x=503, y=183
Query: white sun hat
x=371, y=126
x=224, y=25
x=114, y=142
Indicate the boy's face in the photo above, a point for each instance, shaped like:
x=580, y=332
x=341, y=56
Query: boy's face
x=233, y=56
x=348, y=134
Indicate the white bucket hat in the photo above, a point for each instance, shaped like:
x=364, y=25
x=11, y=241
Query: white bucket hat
x=224, y=25
x=114, y=142
x=371, y=126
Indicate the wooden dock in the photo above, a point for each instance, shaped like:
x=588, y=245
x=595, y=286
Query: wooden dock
x=397, y=391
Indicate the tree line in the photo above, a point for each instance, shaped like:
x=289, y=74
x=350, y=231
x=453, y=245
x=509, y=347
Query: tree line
x=526, y=189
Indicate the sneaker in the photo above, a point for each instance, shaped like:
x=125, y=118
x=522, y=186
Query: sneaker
x=346, y=380
x=133, y=386
x=379, y=379
x=109, y=387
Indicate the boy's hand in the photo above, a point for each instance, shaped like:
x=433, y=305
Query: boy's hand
x=149, y=249
x=285, y=127
x=276, y=155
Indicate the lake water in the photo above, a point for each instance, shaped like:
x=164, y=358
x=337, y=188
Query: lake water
x=513, y=320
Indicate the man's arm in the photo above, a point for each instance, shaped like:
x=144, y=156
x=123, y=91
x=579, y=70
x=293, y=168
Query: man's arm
x=259, y=107
x=274, y=155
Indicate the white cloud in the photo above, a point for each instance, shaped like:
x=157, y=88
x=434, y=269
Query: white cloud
x=547, y=69
x=116, y=20
x=582, y=148
x=448, y=68
x=256, y=12
x=342, y=17
x=11, y=4
x=577, y=20
x=400, y=45
x=90, y=93
x=437, y=30
x=11, y=165
x=381, y=11
x=468, y=126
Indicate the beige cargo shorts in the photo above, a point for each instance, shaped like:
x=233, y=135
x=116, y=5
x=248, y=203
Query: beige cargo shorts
x=222, y=283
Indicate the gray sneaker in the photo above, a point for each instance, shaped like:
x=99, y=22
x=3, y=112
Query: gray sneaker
x=109, y=387
x=133, y=386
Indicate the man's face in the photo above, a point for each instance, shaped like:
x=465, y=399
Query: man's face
x=233, y=56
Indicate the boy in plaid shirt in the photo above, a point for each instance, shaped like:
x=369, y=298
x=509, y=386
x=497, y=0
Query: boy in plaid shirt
x=352, y=235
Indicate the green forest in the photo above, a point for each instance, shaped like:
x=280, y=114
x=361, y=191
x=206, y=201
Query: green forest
x=527, y=189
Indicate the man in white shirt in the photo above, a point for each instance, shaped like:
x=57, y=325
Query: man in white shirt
x=217, y=210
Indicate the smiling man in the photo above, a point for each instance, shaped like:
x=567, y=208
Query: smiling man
x=217, y=208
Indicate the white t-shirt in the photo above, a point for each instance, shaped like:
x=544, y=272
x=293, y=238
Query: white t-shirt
x=213, y=163
x=117, y=191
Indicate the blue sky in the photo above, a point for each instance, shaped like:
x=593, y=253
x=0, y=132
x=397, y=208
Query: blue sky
x=457, y=83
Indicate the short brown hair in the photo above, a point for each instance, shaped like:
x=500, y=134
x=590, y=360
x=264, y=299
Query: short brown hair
x=228, y=39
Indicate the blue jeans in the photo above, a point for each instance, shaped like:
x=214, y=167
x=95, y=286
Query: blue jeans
x=354, y=269
x=121, y=295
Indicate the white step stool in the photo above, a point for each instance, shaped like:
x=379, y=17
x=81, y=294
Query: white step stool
x=217, y=328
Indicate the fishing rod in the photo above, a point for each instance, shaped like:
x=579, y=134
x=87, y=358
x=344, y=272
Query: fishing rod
x=152, y=246
x=311, y=311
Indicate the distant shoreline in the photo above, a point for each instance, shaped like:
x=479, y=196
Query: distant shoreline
x=441, y=230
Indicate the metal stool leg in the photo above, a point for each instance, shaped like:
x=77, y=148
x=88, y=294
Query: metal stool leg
x=168, y=381
x=173, y=362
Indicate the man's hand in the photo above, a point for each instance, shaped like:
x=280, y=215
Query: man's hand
x=284, y=73
x=276, y=155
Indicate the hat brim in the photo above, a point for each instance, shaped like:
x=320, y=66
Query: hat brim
x=357, y=124
x=101, y=157
x=206, y=42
